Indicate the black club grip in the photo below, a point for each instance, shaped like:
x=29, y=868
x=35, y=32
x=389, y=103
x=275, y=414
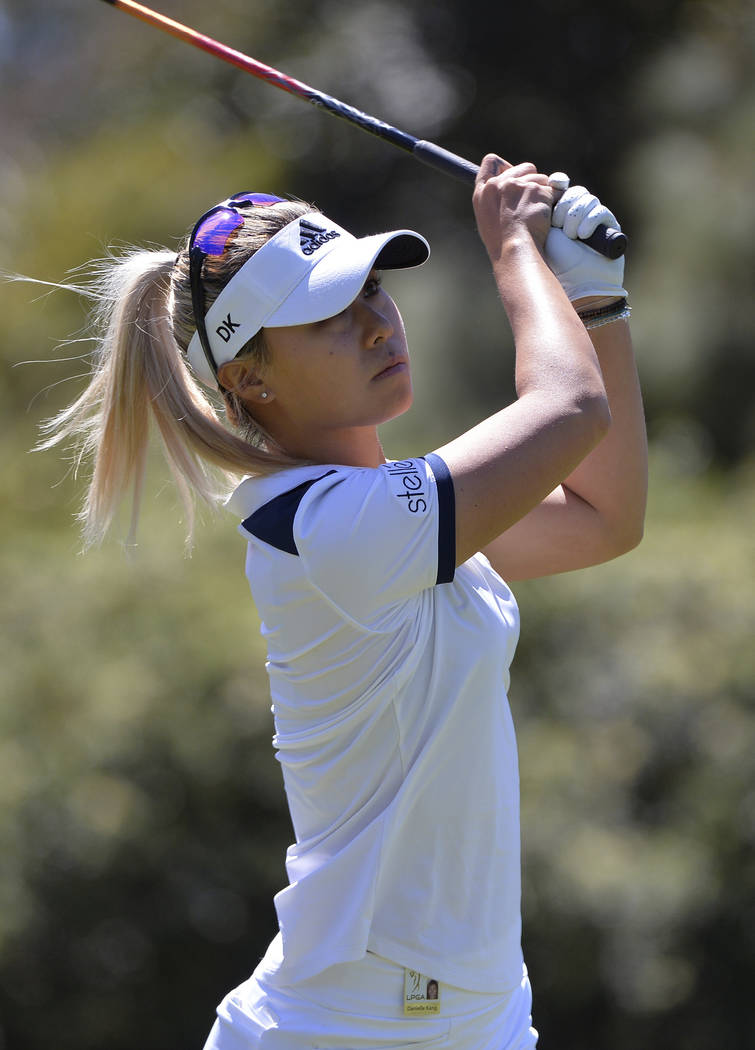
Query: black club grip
x=609, y=242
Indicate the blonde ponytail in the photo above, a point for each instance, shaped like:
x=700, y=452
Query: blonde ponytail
x=141, y=316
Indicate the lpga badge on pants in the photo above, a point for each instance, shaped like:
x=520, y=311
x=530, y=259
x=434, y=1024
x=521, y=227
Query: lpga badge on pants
x=421, y=994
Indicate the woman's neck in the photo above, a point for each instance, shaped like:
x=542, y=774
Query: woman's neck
x=352, y=447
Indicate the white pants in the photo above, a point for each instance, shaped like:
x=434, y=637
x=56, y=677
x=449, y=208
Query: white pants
x=359, y=1006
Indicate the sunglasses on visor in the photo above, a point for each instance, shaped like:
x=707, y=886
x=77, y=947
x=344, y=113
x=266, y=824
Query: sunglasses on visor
x=210, y=237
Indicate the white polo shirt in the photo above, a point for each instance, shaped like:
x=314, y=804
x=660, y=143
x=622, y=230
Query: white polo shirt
x=388, y=675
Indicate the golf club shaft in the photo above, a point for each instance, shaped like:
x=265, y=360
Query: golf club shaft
x=609, y=242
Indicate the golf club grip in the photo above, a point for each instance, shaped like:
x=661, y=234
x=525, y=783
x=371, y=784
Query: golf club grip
x=605, y=240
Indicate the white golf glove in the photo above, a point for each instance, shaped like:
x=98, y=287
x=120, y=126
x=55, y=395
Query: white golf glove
x=580, y=270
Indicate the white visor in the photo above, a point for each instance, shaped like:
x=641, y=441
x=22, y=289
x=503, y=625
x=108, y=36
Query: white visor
x=310, y=270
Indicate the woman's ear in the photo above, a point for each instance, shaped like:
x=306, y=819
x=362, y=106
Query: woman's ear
x=241, y=378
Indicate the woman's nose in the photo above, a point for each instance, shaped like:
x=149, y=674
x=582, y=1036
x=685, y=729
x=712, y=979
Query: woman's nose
x=377, y=325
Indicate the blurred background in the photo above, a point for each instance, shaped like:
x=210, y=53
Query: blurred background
x=142, y=818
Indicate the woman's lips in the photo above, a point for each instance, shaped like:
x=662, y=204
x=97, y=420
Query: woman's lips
x=393, y=369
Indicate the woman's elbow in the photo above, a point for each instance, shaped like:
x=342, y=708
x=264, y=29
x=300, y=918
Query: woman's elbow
x=626, y=535
x=633, y=538
x=595, y=413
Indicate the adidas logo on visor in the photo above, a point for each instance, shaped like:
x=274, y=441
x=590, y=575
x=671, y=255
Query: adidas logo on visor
x=312, y=237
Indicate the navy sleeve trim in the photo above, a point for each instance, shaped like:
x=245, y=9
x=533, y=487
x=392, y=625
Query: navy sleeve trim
x=273, y=522
x=446, y=518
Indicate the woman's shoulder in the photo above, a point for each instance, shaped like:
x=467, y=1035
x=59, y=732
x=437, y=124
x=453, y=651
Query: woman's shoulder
x=255, y=491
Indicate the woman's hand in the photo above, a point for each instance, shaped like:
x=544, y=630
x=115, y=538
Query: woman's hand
x=589, y=279
x=511, y=203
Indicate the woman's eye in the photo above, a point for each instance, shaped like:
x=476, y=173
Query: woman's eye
x=372, y=287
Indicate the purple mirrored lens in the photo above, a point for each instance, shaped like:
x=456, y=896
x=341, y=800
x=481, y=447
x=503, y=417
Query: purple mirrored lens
x=255, y=198
x=212, y=235
x=213, y=232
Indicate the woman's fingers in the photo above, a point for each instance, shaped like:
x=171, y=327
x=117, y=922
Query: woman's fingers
x=520, y=171
x=508, y=199
x=579, y=213
x=491, y=166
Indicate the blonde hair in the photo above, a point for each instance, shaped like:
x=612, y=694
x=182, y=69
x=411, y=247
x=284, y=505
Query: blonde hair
x=143, y=322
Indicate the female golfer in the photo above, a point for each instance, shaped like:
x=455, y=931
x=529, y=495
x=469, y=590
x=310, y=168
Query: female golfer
x=380, y=584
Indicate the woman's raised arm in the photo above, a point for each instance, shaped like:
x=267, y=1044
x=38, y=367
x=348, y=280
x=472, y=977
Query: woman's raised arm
x=598, y=512
x=512, y=461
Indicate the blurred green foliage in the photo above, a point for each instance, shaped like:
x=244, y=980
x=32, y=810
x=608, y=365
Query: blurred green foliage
x=142, y=818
